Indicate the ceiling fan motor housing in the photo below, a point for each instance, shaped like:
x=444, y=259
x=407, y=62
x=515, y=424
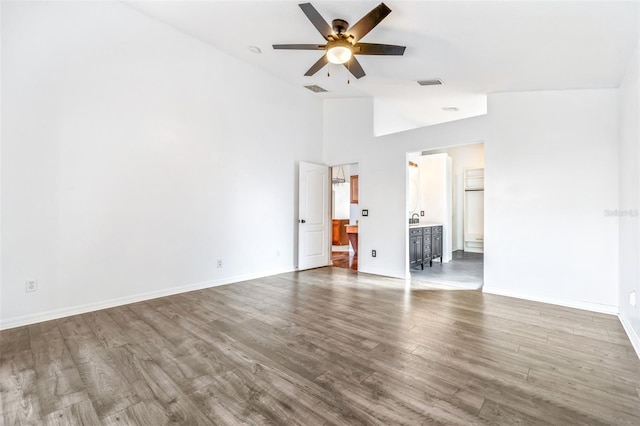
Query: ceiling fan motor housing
x=340, y=26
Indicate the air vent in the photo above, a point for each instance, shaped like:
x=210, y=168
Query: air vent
x=315, y=88
x=434, y=82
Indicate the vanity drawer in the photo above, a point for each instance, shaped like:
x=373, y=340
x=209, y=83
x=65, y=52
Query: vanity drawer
x=437, y=229
x=427, y=230
x=415, y=231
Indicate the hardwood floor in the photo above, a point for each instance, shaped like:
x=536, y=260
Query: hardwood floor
x=344, y=259
x=326, y=346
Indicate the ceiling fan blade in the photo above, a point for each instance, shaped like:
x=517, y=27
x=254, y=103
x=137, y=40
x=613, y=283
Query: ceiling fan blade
x=377, y=49
x=317, y=66
x=300, y=46
x=369, y=21
x=317, y=20
x=354, y=67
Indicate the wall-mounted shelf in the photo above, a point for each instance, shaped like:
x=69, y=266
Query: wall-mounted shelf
x=474, y=179
x=474, y=210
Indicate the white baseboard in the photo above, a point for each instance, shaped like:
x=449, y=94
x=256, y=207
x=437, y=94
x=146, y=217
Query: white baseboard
x=577, y=304
x=633, y=335
x=96, y=306
x=384, y=273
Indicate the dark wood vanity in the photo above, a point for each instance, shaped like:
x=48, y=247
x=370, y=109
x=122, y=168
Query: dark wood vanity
x=425, y=244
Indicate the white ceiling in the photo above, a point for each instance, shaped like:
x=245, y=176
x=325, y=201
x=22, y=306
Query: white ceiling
x=475, y=47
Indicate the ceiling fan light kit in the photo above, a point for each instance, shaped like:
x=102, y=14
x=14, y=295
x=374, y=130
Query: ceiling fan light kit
x=343, y=43
x=339, y=52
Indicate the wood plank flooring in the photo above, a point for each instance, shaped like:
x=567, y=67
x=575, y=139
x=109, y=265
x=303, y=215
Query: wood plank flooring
x=344, y=259
x=322, y=347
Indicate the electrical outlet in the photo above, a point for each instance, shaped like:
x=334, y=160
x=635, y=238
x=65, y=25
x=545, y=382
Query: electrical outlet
x=219, y=263
x=373, y=253
x=632, y=299
x=31, y=285
x=421, y=212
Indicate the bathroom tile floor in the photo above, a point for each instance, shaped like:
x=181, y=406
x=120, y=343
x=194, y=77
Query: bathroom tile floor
x=464, y=271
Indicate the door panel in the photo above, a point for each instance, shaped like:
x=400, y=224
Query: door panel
x=313, y=216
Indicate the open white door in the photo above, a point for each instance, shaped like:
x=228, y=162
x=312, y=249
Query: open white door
x=313, y=216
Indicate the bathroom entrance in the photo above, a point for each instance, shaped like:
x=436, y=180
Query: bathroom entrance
x=445, y=217
x=344, y=216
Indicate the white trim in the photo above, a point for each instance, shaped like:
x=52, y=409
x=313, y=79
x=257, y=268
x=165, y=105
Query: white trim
x=95, y=306
x=631, y=332
x=577, y=304
x=384, y=272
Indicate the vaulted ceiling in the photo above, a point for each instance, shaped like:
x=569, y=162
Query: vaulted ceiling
x=474, y=47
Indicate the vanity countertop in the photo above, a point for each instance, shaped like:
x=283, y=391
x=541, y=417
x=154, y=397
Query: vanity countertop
x=423, y=225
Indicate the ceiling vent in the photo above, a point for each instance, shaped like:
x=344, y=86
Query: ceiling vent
x=434, y=82
x=316, y=89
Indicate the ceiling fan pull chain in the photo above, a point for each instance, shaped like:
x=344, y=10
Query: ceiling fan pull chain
x=348, y=73
x=329, y=69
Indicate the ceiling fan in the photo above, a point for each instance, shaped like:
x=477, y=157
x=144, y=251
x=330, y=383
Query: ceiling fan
x=343, y=42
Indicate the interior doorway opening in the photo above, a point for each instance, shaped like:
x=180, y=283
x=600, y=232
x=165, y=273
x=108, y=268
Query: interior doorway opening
x=445, y=217
x=344, y=216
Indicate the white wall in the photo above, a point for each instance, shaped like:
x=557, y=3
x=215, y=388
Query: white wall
x=630, y=200
x=549, y=181
x=550, y=173
x=134, y=156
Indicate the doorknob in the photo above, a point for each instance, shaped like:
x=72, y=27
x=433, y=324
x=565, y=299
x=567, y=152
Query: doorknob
x=303, y=221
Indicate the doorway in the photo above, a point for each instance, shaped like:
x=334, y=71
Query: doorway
x=344, y=216
x=446, y=194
